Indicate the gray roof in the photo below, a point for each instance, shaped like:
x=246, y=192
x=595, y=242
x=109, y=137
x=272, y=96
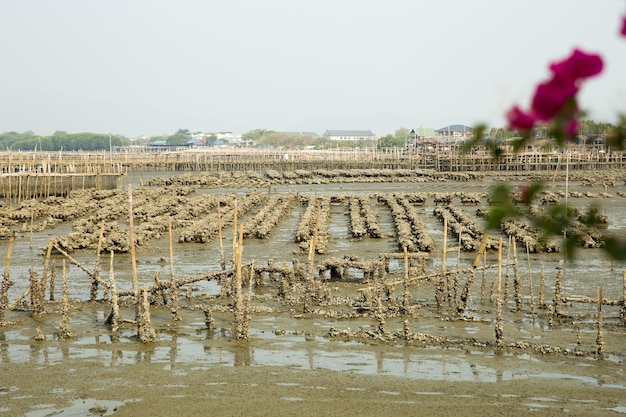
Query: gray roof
x=349, y=133
x=300, y=133
x=455, y=128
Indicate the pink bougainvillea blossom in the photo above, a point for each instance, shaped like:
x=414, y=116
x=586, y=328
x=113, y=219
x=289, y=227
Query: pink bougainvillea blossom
x=519, y=119
x=577, y=66
x=554, y=100
x=550, y=97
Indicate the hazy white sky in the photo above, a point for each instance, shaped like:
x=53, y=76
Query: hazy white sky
x=149, y=67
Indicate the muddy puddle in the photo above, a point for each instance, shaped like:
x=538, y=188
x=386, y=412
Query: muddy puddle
x=336, y=357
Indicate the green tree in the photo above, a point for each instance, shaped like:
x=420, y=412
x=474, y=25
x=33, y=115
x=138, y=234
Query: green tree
x=177, y=139
x=255, y=135
x=390, y=141
x=210, y=140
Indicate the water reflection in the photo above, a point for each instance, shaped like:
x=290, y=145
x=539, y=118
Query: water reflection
x=296, y=351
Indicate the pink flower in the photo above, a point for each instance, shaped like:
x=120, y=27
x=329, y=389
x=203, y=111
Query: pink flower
x=623, y=32
x=519, y=119
x=550, y=97
x=578, y=66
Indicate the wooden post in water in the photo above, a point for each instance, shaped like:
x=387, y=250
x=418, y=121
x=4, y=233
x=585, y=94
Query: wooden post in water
x=499, y=324
x=623, y=310
x=558, y=286
x=114, y=317
x=308, y=290
x=174, y=289
x=517, y=281
x=530, y=280
x=6, y=283
x=219, y=231
x=600, y=338
x=406, y=302
x=64, y=331
x=96, y=270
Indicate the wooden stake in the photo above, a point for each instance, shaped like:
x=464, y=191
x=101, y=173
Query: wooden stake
x=600, y=338
x=499, y=324
x=96, y=268
x=64, y=331
x=133, y=259
x=623, y=310
x=517, y=281
x=530, y=280
x=6, y=282
x=219, y=231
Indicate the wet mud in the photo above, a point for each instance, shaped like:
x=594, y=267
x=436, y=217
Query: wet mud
x=377, y=318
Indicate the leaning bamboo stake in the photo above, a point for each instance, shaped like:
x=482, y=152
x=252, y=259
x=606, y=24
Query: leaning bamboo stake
x=600, y=337
x=499, y=325
x=467, y=290
x=6, y=283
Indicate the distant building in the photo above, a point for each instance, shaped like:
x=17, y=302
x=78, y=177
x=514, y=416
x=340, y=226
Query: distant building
x=456, y=132
x=349, y=135
x=311, y=134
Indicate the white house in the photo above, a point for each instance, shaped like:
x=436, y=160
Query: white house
x=349, y=135
x=455, y=132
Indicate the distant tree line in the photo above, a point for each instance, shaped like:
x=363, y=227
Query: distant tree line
x=86, y=141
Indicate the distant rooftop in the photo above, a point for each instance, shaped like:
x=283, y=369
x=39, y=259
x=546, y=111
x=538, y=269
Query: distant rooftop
x=360, y=133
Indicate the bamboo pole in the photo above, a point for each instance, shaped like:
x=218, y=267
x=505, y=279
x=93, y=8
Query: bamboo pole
x=530, y=280
x=406, y=302
x=240, y=331
x=146, y=335
x=114, y=316
x=600, y=337
x=311, y=258
x=64, y=331
x=499, y=325
x=517, y=281
x=133, y=259
x=174, y=284
x=558, y=286
x=6, y=283
x=219, y=231
x=623, y=310
x=96, y=269
x=467, y=290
